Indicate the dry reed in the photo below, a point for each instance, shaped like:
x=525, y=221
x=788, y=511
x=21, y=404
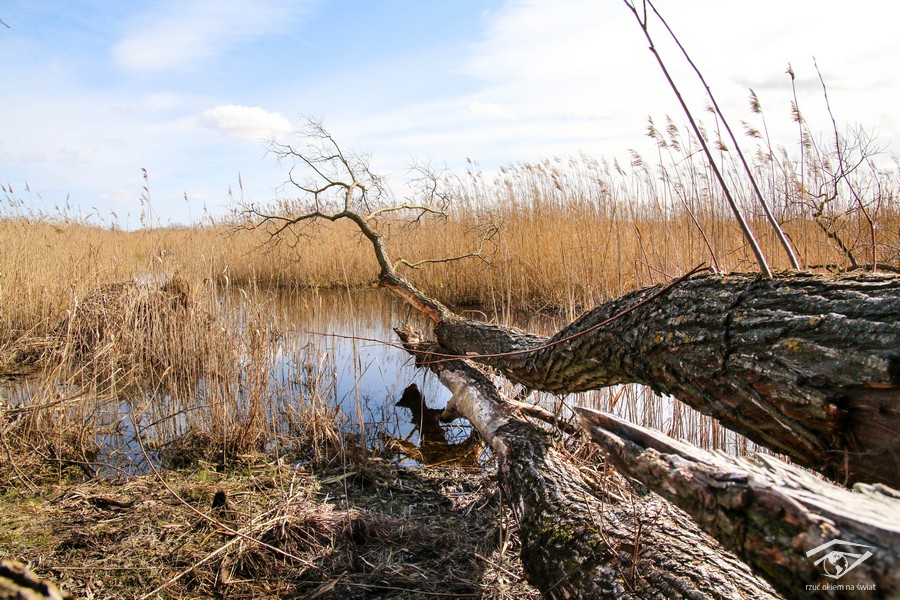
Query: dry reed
x=572, y=233
x=113, y=312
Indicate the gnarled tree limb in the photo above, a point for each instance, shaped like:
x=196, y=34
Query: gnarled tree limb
x=807, y=365
x=576, y=543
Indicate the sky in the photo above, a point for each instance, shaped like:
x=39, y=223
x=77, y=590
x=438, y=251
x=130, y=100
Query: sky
x=191, y=90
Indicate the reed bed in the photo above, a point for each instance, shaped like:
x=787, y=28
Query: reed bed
x=162, y=348
x=569, y=234
x=142, y=315
x=266, y=490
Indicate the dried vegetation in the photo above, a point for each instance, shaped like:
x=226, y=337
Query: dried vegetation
x=158, y=347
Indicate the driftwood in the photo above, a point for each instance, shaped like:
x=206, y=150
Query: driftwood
x=770, y=514
x=578, y=543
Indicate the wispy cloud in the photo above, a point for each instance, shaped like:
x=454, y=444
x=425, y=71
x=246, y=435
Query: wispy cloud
x=251, y=123
x=579, y=72
x=175, y=34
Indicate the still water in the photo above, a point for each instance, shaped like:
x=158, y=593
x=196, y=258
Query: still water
x=340, y=347
x=354, y=331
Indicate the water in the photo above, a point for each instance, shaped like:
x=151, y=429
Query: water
x=351, y=337
x=339, y=347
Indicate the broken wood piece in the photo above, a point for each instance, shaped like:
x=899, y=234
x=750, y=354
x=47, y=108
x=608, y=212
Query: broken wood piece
x=793, y=528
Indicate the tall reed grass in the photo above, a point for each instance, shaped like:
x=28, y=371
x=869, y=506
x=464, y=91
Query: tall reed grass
x=140, y=316
x=571, y=233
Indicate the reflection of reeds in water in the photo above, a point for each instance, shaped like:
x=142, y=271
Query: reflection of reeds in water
x=196, y=384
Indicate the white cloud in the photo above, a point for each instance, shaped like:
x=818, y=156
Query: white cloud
x=245, y=122
x=581, y=69
x=491, y=109
x=187, y=32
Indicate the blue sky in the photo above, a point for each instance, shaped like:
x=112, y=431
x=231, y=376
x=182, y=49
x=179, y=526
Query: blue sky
x=190, y=89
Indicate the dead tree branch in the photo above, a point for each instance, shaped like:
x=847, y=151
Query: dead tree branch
x=771, y=514
x=807, y=365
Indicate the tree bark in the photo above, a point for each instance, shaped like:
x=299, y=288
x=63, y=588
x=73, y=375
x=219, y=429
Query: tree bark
x=17, y=582
x=575, y=543
x=806, y=365
x=772, y=515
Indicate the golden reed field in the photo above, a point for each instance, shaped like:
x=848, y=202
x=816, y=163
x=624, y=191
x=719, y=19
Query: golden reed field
x=568, y=235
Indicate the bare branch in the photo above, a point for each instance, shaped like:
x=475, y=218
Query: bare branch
x=841, y=172
x=335, y=185
x=422, y=209
x=478, y=253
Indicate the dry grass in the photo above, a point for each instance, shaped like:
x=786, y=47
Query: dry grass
x=166, y=339
x=571, y=234
x=373, y=531
x=147, y=362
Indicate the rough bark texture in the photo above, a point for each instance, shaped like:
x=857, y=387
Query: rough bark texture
x=576, y=543
x=807, y=365
x=17, y=582
x=772, y=515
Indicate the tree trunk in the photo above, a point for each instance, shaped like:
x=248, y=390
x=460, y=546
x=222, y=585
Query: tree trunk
x=772, y=515
x=806, y=365
x=17, y=582
x=577, y=544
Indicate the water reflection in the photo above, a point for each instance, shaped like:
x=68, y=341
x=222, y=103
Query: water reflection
x=354, y=338
x=339, y=348
x=435, y=446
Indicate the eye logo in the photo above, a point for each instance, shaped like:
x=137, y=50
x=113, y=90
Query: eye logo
x=836, y=562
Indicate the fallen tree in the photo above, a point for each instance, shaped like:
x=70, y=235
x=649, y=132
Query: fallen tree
x=581, y=540
x=781, y=520
x=808, y=365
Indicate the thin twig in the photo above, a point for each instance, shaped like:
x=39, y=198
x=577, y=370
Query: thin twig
x=841, y=168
